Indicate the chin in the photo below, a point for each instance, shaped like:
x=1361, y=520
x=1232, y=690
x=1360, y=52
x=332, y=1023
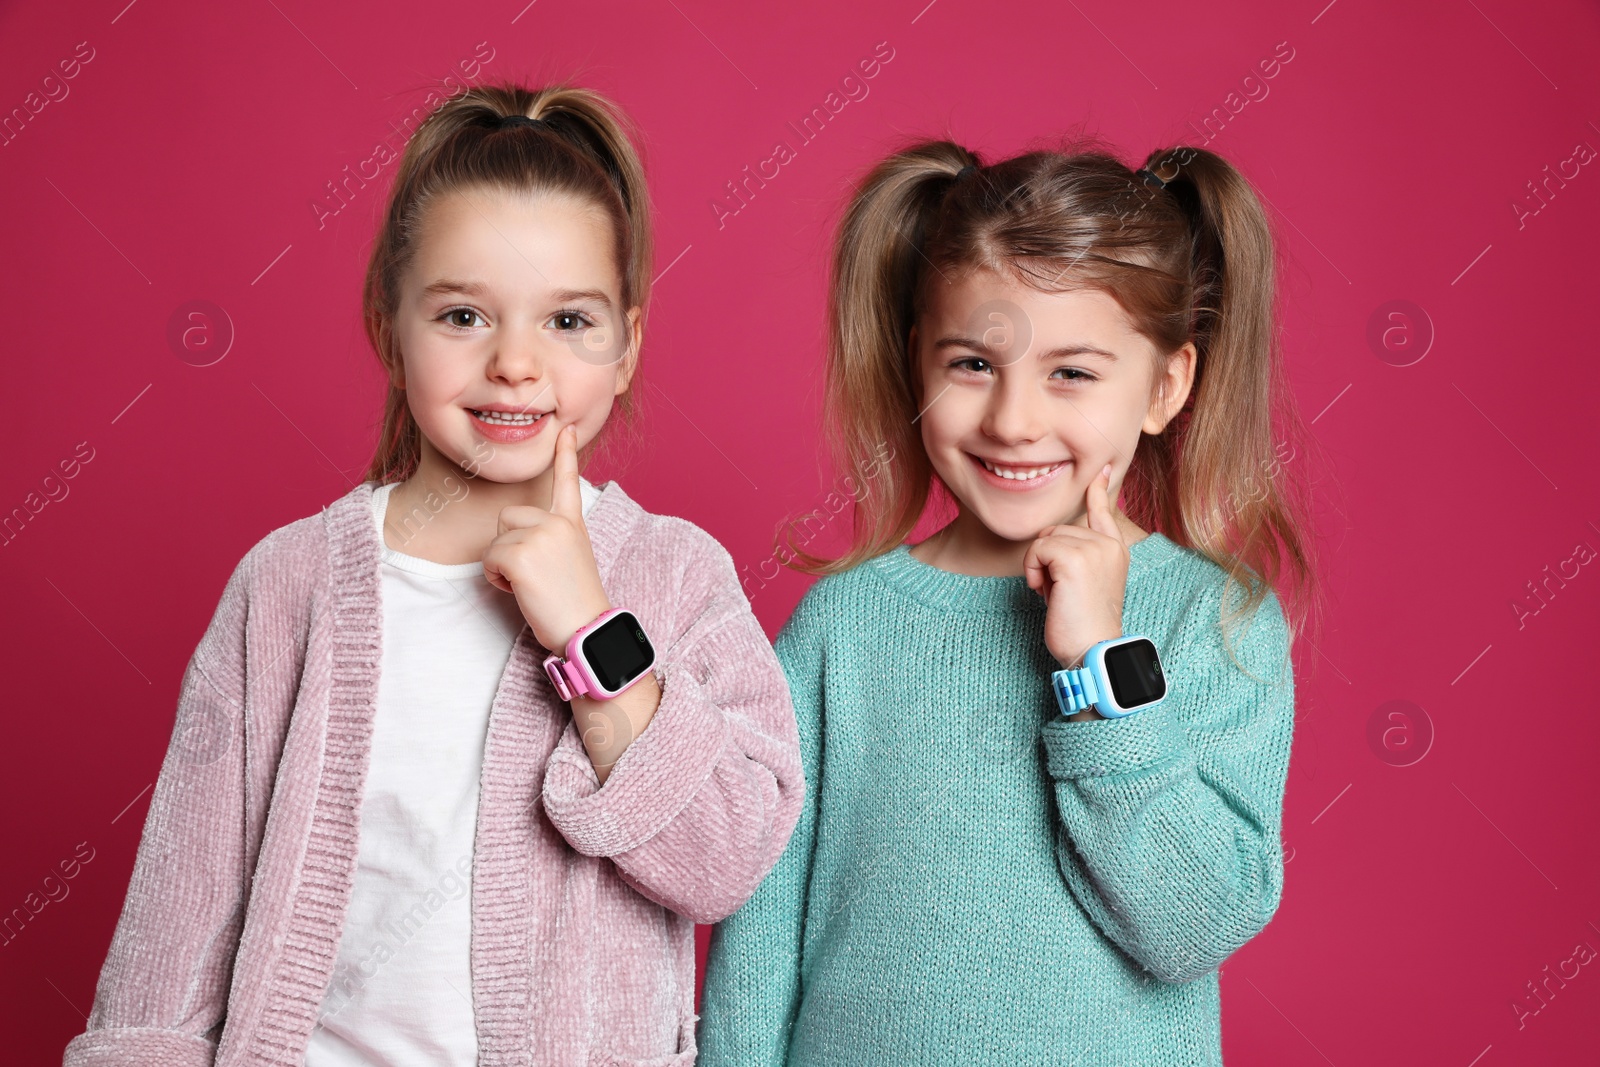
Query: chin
x=502, y=474
x=1015, y=531
x=1016, y=524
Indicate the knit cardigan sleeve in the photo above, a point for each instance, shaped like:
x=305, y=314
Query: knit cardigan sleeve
x=699, y=806
x=163, y=990
x=753, y=970
x=1170, y=817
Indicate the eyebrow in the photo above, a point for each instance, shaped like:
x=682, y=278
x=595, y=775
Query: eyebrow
x=1078, y=348
x=478, y=289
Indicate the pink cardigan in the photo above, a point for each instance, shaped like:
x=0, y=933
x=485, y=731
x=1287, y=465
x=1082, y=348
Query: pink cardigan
x=584, y=899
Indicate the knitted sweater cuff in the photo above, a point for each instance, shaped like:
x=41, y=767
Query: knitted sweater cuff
x=656, y=776
x=1096, y=747
x=119, y=1046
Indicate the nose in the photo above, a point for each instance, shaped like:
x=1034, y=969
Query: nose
x=517, y=355
x=1015, y=411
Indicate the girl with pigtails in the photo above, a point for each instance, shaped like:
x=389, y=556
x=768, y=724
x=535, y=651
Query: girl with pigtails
x=463, y=758
x=1046, y=746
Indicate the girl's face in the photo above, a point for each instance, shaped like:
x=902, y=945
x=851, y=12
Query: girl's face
x=512, y=305
x=1026, y=395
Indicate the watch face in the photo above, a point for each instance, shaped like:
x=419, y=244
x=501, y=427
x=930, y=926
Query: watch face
x=1135, y=673
x=618, y=652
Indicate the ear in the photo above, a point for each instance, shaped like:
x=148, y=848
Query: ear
x=630, y=362
x=1171, y=389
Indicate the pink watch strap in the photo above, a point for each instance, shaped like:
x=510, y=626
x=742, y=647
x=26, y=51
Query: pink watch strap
x=566, y=678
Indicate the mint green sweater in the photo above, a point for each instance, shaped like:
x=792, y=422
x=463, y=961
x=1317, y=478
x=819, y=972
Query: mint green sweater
x=975, y=880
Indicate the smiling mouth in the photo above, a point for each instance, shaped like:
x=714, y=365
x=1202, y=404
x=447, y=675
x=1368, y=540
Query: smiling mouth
x=1017, y=472
x=509, y=418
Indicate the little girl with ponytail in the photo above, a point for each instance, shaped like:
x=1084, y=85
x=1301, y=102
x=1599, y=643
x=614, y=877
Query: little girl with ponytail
x=1016, y=848
x=462, y=759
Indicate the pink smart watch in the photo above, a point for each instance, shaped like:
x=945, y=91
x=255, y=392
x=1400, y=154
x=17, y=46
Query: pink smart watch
x=603, y=659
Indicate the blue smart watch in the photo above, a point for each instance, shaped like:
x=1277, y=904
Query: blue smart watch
x=1118, y=677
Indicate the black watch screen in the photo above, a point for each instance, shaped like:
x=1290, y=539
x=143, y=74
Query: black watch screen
x=1135, y=673
x=618, y=651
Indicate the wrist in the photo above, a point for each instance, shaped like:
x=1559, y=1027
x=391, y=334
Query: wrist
x=570, y=623
x=1075, y=661
x=603, y=659
x=1122, y=675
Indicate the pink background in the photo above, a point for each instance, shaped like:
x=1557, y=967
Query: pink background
x=1392, y=149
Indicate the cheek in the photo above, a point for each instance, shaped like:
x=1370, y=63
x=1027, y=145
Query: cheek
x=587, y=393
x=429, y=372
x=950, y=419
x=941, y=440
x=935, y=434
x=1093, y=417
x=429, y=397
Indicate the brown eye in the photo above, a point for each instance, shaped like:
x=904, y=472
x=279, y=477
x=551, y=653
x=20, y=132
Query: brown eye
x=571, y=320
x=454, y=316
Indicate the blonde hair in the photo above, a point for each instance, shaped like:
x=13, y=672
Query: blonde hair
x=1193, y=261
x=583, y=147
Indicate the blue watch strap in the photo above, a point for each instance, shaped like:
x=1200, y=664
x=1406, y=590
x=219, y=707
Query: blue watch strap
x=1075, y=690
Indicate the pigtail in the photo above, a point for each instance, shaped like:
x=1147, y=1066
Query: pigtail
x=870, y=393
x=1220, y=474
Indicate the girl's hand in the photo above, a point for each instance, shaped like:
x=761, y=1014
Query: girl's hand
x=1081, y=569
x=545, y=558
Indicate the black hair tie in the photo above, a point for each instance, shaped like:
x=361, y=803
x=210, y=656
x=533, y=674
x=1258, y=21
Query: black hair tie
x=964, y=171
x=1151, y=178
x=519, y=120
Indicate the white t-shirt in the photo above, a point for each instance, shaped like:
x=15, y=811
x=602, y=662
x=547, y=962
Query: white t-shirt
x=401, y=994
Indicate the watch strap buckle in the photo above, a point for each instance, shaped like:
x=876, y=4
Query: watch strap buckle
x=1075, y=690
x=568, y=682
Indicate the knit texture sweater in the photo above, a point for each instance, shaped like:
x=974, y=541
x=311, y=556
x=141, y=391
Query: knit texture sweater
x=584, y=897
x=975, y=880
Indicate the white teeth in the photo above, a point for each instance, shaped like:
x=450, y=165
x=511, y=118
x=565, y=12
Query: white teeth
x=507, y=418
x=1018, y=475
